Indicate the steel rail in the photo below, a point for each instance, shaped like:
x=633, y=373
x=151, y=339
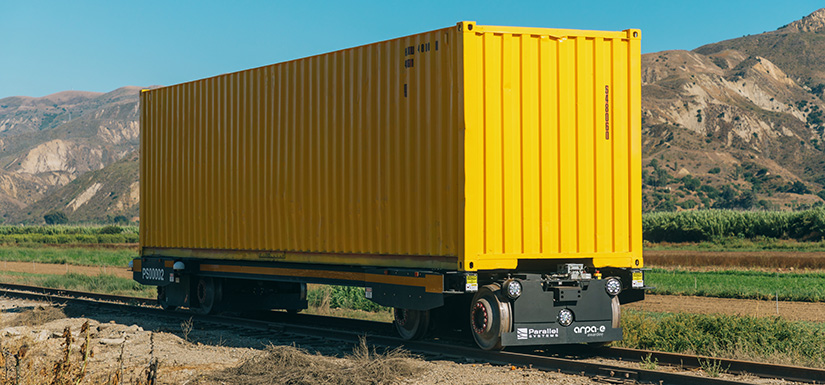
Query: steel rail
x=461, y=353
x=76, y=294
x=760, y=369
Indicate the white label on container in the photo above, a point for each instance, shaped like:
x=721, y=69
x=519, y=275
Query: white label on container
x=472, y=283
x=638, y=279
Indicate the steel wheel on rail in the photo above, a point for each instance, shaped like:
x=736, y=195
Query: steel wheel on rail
x=616, y=310
x=411, y=324
x=208, y=295
x=163, y=299
x=490, y=317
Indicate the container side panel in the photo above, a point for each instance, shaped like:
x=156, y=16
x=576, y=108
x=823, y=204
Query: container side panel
x=322, y=159
x=568, y=168
x=548, y=68
x=511, y=144
x=621, y=196
x=584, y=143
x=634, y=133
x=493, y=144
x=603, y=179
x=530, y=146
x=142, y=186
x=475, y=145
x=552, y=146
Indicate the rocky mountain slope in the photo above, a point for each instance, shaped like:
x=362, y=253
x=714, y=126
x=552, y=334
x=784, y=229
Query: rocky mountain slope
x=736, y=124
x=96, y=196
x=46, y=143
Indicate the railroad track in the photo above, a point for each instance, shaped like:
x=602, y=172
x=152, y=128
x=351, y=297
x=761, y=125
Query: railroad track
x=571, y=360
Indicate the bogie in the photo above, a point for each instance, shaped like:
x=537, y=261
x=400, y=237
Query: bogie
x=490, y=317
x=411, y=324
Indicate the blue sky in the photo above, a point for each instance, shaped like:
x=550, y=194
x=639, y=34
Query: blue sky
x=52, y=46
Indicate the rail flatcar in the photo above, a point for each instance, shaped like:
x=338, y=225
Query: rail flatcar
x=485, y=173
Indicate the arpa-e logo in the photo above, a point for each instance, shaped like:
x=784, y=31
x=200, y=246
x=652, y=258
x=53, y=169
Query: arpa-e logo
x=528, y=333
x=590, y=331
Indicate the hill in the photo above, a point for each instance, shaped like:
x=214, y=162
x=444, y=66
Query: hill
x=736, y=124
x=46, y=143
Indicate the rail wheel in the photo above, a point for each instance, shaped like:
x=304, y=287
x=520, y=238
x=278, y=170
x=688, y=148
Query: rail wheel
x=411, y=324
x=208, y=294
x=490, y=317
x=163, y=299
x=616, y=310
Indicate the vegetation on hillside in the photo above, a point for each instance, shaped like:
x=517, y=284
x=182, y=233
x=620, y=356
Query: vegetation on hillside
x=743, y=187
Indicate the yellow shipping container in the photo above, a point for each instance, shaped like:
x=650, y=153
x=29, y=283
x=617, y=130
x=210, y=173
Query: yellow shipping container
x=466, y=148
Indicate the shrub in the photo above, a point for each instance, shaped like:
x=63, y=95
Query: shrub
x=121, y=219
x=110, y=230
x=798, y=187
x=344, y=297
x=55, y=217
x=691, y=183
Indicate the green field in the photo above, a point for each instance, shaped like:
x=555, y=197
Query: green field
x=102, y=283
x=68, y=255
x=64, y=234
x=769, y=339
x=739, y=284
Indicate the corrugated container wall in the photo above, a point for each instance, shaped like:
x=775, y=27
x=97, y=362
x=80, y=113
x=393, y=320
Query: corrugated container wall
x=553, y=145
x=469, y=147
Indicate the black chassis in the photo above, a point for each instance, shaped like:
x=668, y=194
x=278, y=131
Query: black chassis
x=535, y=312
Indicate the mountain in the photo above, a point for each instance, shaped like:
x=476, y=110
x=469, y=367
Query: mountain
x=737, y=124
x=47, y=142
x=95, y=196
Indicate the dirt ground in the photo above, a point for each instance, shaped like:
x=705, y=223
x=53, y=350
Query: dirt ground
x=795, y=311
x=736, y=259
x=213, y=356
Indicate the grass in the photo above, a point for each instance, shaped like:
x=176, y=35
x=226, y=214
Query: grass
x=345, y=302
x=63, y=234
x=68, y=239
x=757, y=338
x=292, y=365
x=808, y=287
x=68, y=230
x=344, y=297
x=71, y=256
x=102, y=283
